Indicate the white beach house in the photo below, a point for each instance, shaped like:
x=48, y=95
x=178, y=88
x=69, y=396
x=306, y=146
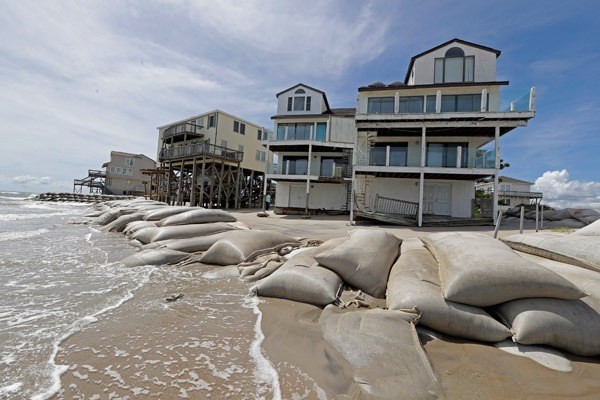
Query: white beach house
x=313, y=143
x=420, y=142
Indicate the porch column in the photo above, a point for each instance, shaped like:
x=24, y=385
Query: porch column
x=308, y=177
x=264, y=196
x=497, y=169
x=422, y=177
x=352, y=183
x=193, y=185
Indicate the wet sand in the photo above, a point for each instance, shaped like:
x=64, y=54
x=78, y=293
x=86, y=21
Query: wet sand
x=198, y=347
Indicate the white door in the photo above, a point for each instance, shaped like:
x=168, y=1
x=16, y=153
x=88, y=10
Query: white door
x=297, y=196
x=437, y=199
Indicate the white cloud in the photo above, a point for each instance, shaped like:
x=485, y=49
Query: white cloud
x=562, y=192
x=36, y=184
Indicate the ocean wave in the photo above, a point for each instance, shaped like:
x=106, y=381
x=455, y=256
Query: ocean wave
x=21, y=235
x=15, y=217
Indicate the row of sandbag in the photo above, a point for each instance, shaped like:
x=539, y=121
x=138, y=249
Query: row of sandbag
x=458, y=281
x=78, y=197
x=573, y=218
x=167, y=234
x=578, y=248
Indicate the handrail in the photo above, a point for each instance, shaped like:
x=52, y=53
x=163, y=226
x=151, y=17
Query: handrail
x=186, y=127
x=388, y=205
x=200, y=149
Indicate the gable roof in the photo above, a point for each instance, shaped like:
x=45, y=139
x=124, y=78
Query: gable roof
x=308, y=87
x=455, y=40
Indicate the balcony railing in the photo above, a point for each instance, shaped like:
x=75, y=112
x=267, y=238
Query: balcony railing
x=183, y=128
x=335, y=171
x=200, y=149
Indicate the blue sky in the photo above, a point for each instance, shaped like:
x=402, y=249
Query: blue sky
x=79, y=79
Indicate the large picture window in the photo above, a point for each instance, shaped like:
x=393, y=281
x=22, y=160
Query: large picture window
x=411, y=104
x=445, y=154
x=295, y=165
x=381, y=105
x=454, y=67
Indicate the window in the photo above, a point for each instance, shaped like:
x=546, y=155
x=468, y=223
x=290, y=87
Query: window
x=299, y=103
x=328, y=165
x=242, y=128
x=211, y=121
x=129, y=162
x=259, y=135
x=454, y=67
x=257, y=155
x=240, y=148
x=411, y=104
x=300, y=131
x=293, y=165
x=461, y=103
x=263, y=155
x=445, y=154
x=236, y=126
x=398, y=153
x=430, y=104
x=112, y=170
x=380, y=105
x=321, y=134
x=223, y=143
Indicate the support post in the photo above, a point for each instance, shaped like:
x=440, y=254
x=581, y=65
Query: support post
x=498, y=222
x=221, y=182
x=537, y=212
x=308, y=178
x=193, y=184
x=542, y=216
x=239, y=171
x=202, y=181
x=497, y=169
x=521, y=218
x=180, y=185
x=422, y=175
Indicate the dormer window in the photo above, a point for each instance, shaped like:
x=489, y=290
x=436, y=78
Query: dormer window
x=454, y=67
x=299, y=103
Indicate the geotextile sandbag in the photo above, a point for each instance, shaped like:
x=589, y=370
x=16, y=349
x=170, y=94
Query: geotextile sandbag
x=414, y=282
x=135, y=226
x=197, y=216
x=477, y=270
x=364, y=260
x=157, y=215
x=569, y=223
x=150, y=234
x=556, y=215
x=301, y=279
x=592, y=229
x=111, y=215
x=195, y=244
x=384, y=350
x=585, y=215
x=244, y=245
x=154, y=257
x=571, y=325
x=120, y=223
x=580, y=250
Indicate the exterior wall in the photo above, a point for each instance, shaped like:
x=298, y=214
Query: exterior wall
x=328, y=196
x=493, y=91
x=485, y=64
x=121, y=183
x=317, y=105
x=341, y=130
x=462, y=192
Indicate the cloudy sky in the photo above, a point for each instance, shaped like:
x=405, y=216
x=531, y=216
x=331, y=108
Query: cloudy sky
x=81, y=78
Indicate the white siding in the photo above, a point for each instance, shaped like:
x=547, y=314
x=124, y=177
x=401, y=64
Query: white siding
x=317, y=105
x=485, y=64
x=342, y=130
x=322, y=195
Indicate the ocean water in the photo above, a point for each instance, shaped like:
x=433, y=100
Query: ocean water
x=75, y=323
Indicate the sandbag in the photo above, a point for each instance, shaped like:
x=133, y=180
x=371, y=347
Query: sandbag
x=197, y=216
x=564, y=223
x=192, y=245
x=592, y=229
x=556, y=215
x=157, y=215
x=111, y=215
x=244, y=245
x=571, y=325
x=120, y=223
x=301, y=279
x=364, y=260
x=414, y=282
x=154, y=257
x=478, y=270
x=135, y=226
x=150, y=234
x=584, y=215
x=384, y=349
x=580, y=250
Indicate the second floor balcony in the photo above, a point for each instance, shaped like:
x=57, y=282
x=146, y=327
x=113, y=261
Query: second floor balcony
x=183, y=131
x=198, y=150
x=298, y=169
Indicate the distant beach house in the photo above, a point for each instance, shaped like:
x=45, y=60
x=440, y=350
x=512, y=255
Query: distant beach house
x=511, y=192
x=213, y=159
x=124, y=173
x=420, y=142
x=313, y=143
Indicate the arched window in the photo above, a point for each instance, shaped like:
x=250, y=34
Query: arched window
x=299, y=91
x=299, y=103
x=454, y=52
x=454, y=67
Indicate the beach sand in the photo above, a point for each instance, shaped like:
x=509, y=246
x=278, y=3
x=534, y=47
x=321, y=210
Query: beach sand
x=198, y=347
